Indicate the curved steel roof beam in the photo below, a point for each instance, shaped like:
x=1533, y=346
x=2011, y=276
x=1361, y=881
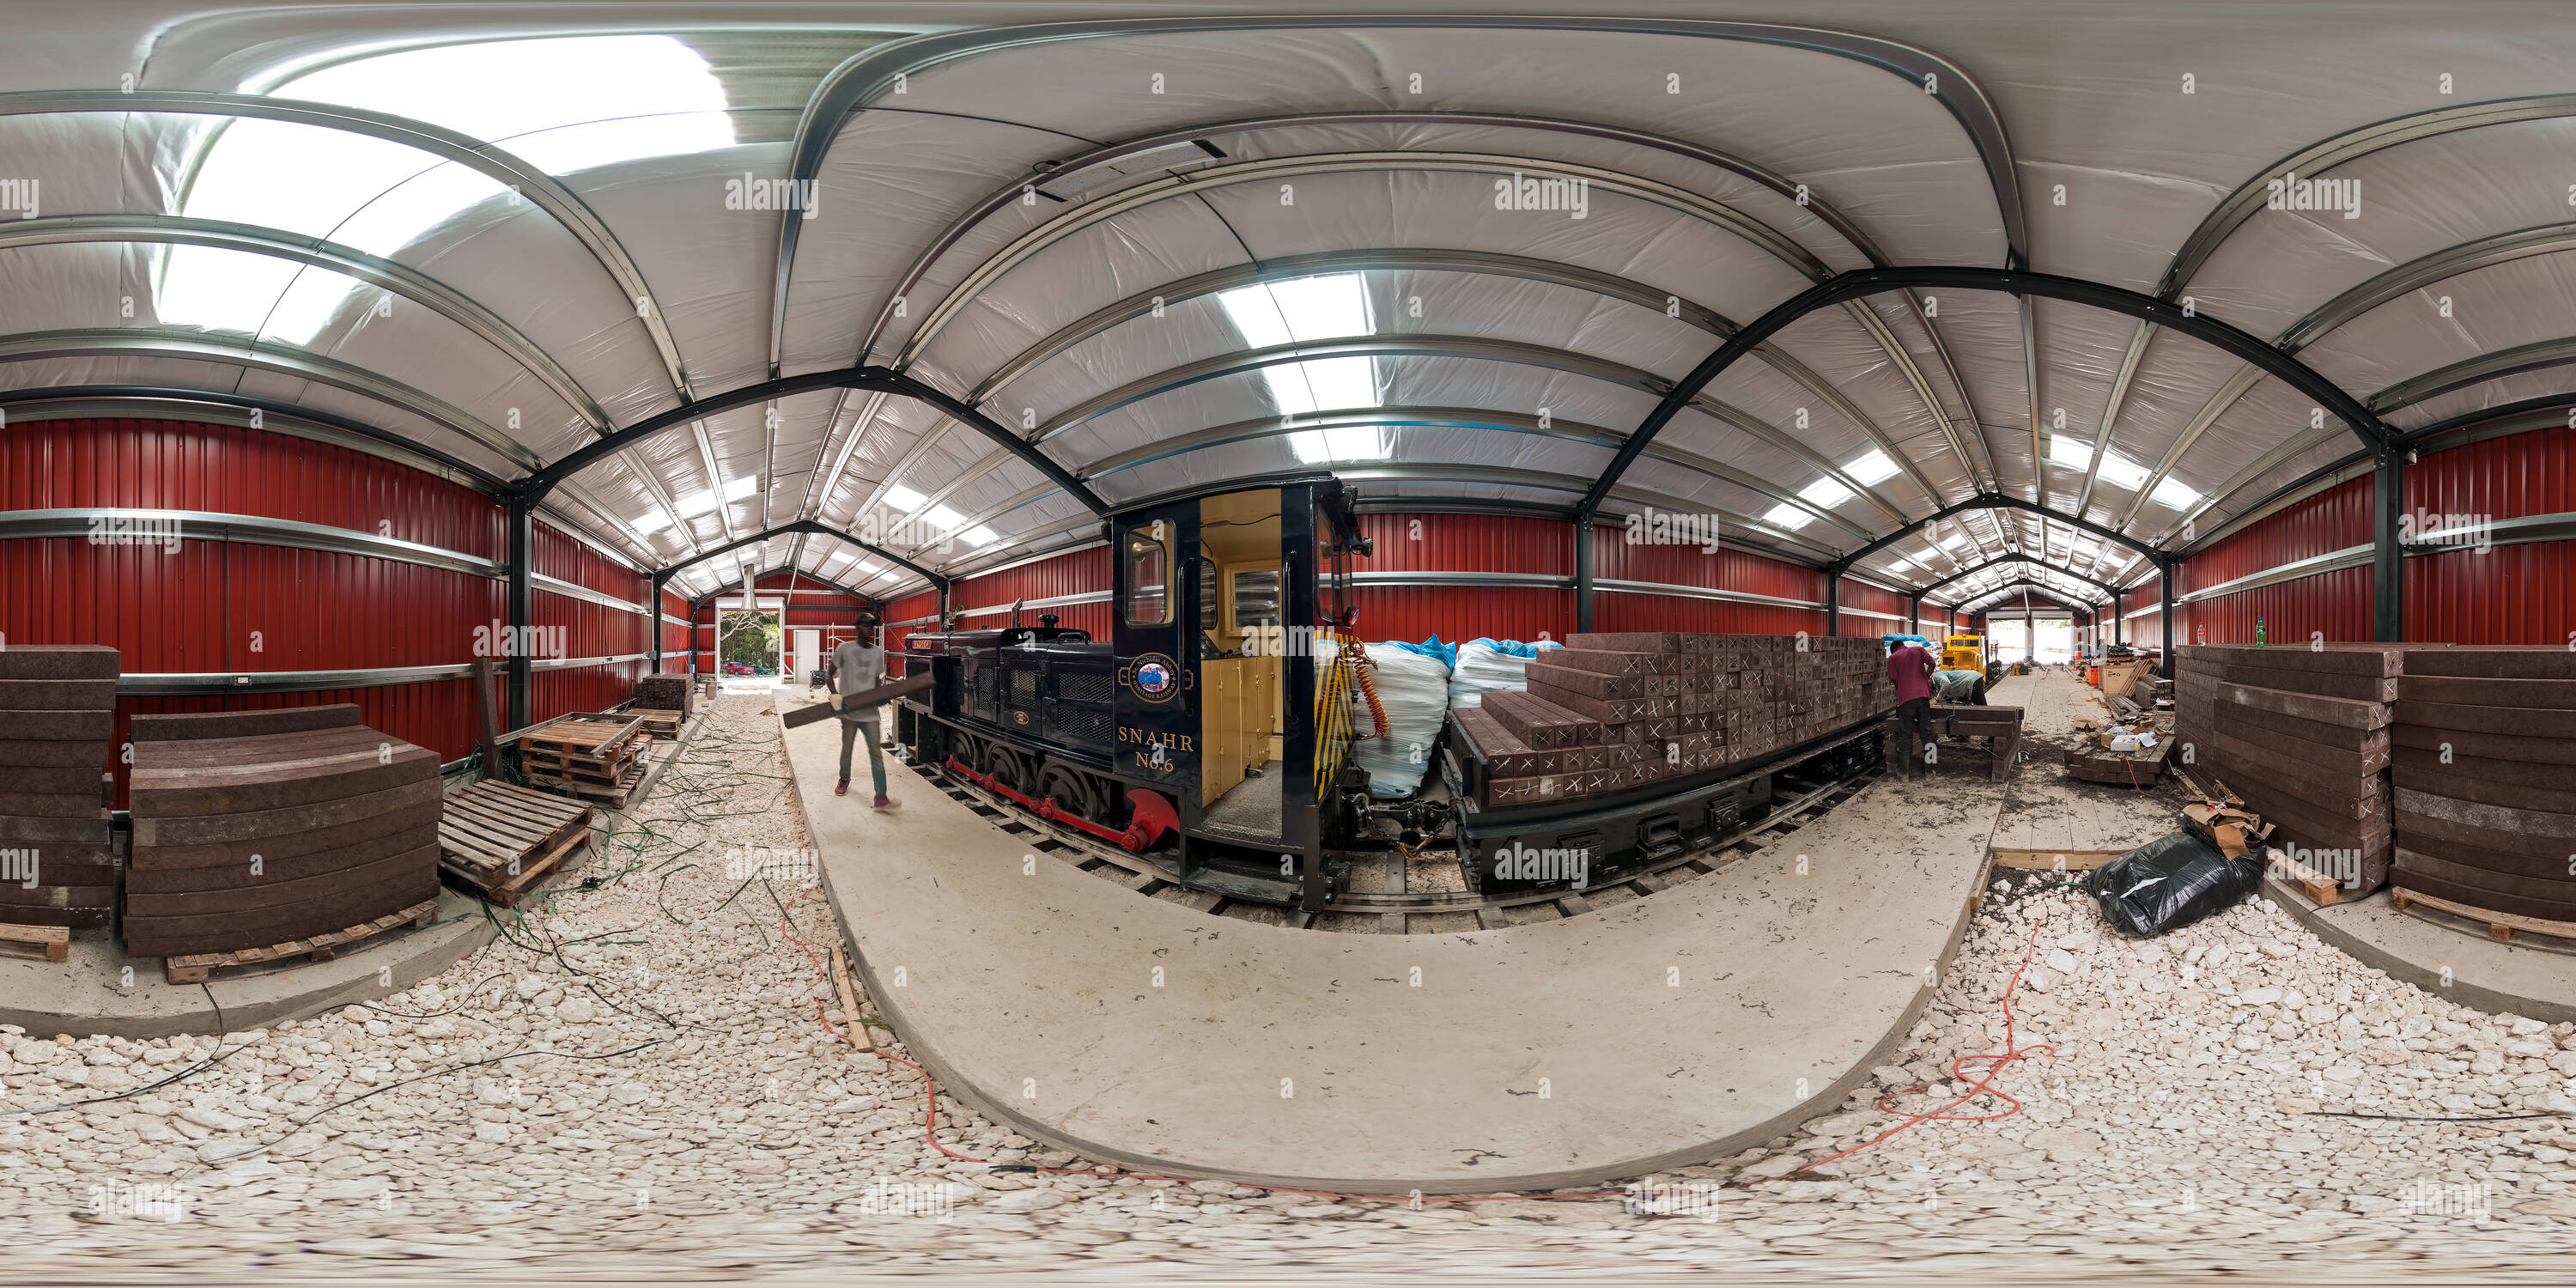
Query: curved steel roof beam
x=1515, y=477
x=493, y=162
x=1090, y=214
x=869, y=76
x=799, y=528
x=2000, y=560
x=199, y=346
x=1850, y=286
x=277, y=415
x=2540, y=355
x=1243, y=431
x=1468, y=347
x=2055, y=595
x=315, y=252
x=2326, y=154
x=1607, y=285
x=820, y=583
x=1468, y=418
x=1014, y=192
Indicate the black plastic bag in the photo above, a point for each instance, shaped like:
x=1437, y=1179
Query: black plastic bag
x=2171, y=882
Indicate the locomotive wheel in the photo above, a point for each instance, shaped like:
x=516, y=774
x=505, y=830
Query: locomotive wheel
x=1012, y=769
x=1072, y=791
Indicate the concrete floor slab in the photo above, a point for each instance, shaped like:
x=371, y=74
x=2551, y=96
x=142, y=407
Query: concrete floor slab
x=2468, y=969
x=99, y=989
x=1664, y=1031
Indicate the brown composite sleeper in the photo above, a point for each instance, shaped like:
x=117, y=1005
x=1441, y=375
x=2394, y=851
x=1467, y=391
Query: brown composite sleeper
x=60, y=662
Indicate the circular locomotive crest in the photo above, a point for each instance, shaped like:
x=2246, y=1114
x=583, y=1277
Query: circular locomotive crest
x=1021, y=716
x=1154, y=677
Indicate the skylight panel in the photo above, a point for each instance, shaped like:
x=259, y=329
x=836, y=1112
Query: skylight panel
x=742, y=487
x=979, y=536
x=903, y=498
x=1785, y=515
x=561, y=104
x=1826, y=492
x=1871, y=468
x=2174, y=492
x=652, y=522
x=1339, y=443
x=1331, y=306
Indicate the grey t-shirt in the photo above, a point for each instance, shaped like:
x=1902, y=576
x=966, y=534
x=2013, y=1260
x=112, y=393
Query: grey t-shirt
x=858, y=667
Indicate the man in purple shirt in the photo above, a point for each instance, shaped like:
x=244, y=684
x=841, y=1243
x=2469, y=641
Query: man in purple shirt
x=1911, y=668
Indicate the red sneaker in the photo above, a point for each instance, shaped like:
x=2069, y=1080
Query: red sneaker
x=843, y=789
x=888, y=803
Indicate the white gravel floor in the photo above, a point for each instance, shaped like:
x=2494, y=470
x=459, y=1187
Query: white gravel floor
x=717, y=1131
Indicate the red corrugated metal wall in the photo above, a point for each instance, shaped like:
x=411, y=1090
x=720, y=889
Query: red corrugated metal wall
x=925, y=604
x=1615, y=559
x=1465, y=543
x=239, y=607
x=588, y=629
x=2334, y=605
x=1072, y=573
x=2523, y=594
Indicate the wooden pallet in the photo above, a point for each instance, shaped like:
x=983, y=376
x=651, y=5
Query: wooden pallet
x=499, y=840
x=2503, y=927
x=660, y=724
x=46, y=943
x=196, y=968
x=618, y=795
x=584, y=736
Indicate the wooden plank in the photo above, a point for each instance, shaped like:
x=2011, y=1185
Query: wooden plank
x=1492, y=918
x=196, y=968
x=848, y=989
x=2320, y=888
x=46, y=943
x=2054, y=860
x=2504, y=927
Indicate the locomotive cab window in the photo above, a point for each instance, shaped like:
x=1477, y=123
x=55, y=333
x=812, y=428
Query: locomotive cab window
x=1149, y=575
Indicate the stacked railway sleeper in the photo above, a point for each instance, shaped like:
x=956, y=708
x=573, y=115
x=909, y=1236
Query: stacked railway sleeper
x=2301, y=733
x=2485, y=776
x=57, y=863
x=275, y=834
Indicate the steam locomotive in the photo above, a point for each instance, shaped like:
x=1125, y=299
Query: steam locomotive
x=1213, y=728
x=1188, y=731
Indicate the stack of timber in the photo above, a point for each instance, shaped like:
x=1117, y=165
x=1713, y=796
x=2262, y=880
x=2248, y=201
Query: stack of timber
x=659, y=724
x=2302, y=734
x=501, y=841
x=667, y=693
x=260, y=831
x=2485, y=769
x=594, y=756
x=57, y=728
x=1613, y=711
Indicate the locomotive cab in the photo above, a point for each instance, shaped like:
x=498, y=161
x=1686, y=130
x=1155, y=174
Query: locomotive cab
x=1210, y=730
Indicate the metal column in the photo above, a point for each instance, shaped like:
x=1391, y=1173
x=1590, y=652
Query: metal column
x=2115, y=617
x=1833, y=603
x=521, y=607
x=1583, y=573
x=653, y=621
x=1914, y=613
x=2168, y=585
x=2388, y=549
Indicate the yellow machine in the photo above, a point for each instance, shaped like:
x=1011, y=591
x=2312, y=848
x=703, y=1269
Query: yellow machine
x=1963, y=653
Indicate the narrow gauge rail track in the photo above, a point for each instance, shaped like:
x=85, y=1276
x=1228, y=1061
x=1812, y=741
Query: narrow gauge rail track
x=1382, y=913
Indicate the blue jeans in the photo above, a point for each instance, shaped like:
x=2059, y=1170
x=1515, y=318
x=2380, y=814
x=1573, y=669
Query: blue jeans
x=851, y=724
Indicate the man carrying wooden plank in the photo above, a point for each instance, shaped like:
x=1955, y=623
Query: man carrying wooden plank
x=858, y=665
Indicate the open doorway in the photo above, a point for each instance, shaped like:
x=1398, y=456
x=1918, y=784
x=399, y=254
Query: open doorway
x=2053, y=640
x=748, y=646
